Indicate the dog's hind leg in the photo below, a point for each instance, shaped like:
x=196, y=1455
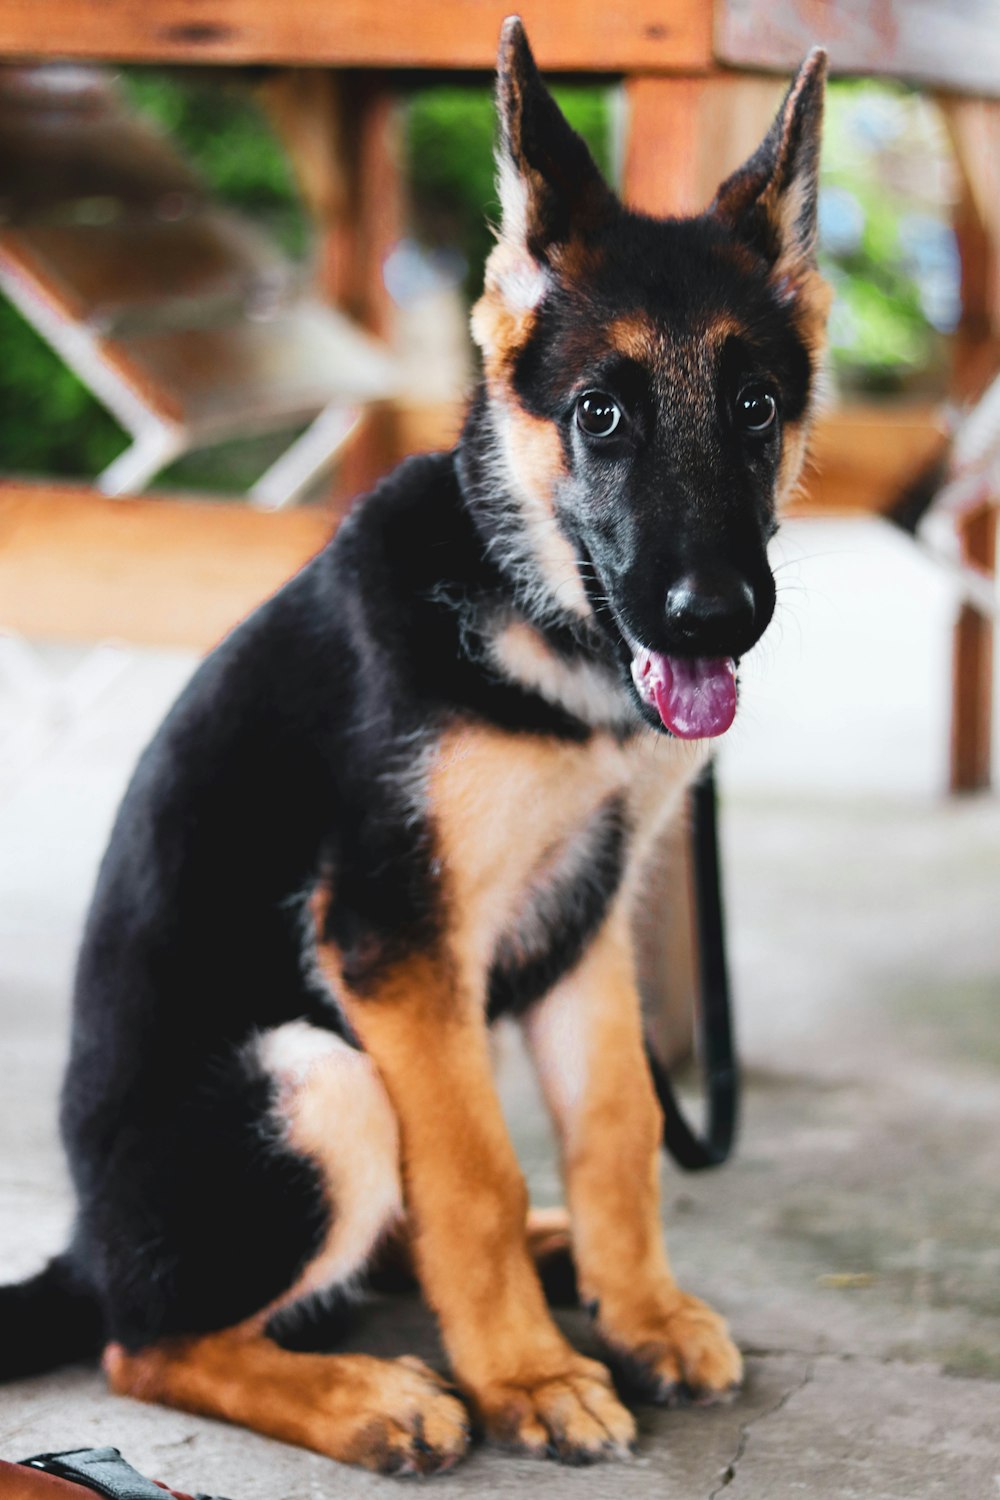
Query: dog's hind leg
x=586, y=1039
x=395, y=1416
x=332, y=1109
x=548, y=1240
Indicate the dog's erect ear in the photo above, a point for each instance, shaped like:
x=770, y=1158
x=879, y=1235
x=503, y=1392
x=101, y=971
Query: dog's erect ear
x=548, y=183
x=770, y=202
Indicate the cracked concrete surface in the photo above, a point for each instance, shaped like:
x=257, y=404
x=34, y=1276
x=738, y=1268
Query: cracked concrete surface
x=854, y=1243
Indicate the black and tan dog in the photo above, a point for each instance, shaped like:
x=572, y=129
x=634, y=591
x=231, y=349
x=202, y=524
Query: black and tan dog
x=414, y=791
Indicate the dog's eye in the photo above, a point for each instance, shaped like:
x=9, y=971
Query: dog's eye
x=756, y=410
x=597, y=414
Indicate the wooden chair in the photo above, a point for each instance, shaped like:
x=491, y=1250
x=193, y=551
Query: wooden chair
x=179, y=316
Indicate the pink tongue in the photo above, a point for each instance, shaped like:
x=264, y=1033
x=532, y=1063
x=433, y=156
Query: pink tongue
x=694, y=696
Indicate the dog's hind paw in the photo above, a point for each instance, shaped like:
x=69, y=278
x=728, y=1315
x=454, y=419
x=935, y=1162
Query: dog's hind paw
x=571, y=1415
x=683, y=1354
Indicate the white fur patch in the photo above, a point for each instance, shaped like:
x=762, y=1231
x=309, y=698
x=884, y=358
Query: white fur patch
x=522, y=283
x=585, y=689
x=539, y=534
x=511, y=269
x=333, y=1108
x=512, y=190
x=291, y=1053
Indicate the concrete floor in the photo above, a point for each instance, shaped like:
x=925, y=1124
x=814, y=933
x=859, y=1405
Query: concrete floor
x=854, y=1243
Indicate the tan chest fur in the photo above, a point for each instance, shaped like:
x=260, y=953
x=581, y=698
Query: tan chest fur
x=504, y=805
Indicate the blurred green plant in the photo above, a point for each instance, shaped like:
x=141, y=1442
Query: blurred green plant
x=49, y=422
x=450, y=132
x=886, y=243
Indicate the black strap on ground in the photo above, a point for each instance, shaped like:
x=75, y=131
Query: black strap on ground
x=715, y=1046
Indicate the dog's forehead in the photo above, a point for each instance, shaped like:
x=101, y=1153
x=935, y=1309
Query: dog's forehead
x=662, y=344
x=669, y=295
x=676, y=347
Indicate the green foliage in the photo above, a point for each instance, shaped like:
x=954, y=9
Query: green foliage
x=449, y=139
x=49, y=422
x=884, y=157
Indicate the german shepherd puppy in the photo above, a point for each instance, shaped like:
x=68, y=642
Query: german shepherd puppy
x=415, y=791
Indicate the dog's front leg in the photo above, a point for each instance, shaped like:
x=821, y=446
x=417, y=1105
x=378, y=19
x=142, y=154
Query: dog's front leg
x=586, y=1038
x=467, y=1202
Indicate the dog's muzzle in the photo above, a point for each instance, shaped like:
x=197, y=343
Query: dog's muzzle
x=710, y=617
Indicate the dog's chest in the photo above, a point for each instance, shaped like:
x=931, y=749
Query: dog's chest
x=506, y=809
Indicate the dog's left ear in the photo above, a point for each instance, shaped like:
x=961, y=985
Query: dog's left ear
x=549, y=185
x=770, y=202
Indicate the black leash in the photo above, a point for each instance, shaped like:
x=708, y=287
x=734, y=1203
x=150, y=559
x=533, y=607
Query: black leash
x=716, y=1047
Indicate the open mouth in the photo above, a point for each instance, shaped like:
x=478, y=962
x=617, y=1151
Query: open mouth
x=695, y=696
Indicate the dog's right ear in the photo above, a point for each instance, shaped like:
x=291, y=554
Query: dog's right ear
x=549, y=185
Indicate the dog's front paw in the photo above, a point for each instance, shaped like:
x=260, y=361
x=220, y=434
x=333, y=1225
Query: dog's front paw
x=408, y=1421
x=571, y=1414
x=683, y=1352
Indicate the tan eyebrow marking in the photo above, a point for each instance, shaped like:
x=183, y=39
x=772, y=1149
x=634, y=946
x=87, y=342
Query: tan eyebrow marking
x=635, y=336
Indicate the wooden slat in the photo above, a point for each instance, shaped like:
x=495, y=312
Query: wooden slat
x=862, y=456
x=161, y=572
x=975, y=129
x=357, y=246
x=948, y=46
x=585, y=35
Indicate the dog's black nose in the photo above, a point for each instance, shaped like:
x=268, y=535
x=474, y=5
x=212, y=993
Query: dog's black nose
x=710, y=612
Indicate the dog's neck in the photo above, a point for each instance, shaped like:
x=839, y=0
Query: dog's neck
x=520, y=538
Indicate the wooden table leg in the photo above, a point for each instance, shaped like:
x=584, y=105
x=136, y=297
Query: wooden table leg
x=975, y=128
x=344, y=134
x=972, y=678
x=685, y=134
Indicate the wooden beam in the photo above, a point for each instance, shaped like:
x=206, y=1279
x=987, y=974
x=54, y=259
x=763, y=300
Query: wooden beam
x=575, y=35
x=948, y=46
x=344, y=136
x=75, y=565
